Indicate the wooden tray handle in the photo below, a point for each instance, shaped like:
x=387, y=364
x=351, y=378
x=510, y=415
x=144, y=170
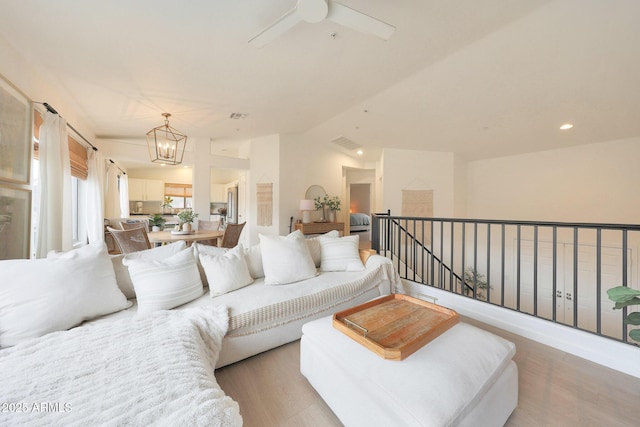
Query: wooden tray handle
x=355, y=325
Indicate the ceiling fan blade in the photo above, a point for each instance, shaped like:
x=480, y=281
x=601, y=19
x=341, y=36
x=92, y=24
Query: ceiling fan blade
x=282, y=25
x=351, y=18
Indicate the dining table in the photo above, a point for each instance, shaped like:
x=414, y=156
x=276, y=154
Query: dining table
x=194, y=236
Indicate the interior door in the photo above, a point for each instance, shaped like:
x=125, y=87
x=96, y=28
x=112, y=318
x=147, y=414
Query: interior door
x=545, y=296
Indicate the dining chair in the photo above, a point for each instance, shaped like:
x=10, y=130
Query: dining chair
x=132, y=240
x=231, y=235
x=125, y=225
x=208, y=225
x=204, y=225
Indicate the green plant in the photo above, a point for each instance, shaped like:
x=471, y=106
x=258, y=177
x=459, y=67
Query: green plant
x=321, y=202
x=334, y=203
x=481, y=283
x=157, y=220
x=166, y=203
x=187, y=216
x=624, y=296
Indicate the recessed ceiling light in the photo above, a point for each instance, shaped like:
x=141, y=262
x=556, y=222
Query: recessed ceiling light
x=360, y=152
x=238, y=116
x=566, y=126
x=163, y=164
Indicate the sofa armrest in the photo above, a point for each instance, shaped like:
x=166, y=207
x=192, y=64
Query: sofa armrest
x=374, y=261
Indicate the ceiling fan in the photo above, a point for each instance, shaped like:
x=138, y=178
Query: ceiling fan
x=313, y=11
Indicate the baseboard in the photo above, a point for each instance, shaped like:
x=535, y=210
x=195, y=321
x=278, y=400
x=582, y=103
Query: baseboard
x=604, y=351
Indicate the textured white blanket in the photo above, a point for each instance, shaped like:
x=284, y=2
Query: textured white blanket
x=155, y=369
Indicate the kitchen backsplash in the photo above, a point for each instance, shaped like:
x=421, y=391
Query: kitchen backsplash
x=145, y=207
x=215, y=206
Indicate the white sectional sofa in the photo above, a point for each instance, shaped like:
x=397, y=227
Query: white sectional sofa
x=262, y=317
x=82, y=329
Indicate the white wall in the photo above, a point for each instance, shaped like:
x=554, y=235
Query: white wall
x=264, y=168
x=306, y=161
x=418, y=170
x=459, y=187
x=201, y=176
x=36, y=84
x=172, y=174
x=589, y=183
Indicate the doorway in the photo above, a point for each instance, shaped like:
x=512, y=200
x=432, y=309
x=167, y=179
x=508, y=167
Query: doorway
x=360, y=213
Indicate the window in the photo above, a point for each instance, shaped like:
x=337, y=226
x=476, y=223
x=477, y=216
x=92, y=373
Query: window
x=182, y=195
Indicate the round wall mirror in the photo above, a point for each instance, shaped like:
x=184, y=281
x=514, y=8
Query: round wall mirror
x=314, y=192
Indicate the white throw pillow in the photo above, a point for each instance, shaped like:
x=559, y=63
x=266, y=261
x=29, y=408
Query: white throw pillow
x=208, y=250
x=286, y=259
x=341, y=254
x=165, y=284
x=227, y=272
x=253, y=256
x=158, y=253
x=314, y=245
x=53, y=294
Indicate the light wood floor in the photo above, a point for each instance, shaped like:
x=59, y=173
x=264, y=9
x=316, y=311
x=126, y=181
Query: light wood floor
x=555, y=389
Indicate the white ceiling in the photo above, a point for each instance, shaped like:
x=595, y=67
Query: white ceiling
x=479, y=78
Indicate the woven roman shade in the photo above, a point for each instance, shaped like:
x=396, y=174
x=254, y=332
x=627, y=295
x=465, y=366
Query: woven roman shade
x=77, y=151
x=78, y=159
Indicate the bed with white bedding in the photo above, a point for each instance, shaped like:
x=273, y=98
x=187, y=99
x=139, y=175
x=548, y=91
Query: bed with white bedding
x=359, y=222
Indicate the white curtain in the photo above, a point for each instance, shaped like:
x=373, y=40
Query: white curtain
x=55, y=222
x=123, y=189
x=95, y=196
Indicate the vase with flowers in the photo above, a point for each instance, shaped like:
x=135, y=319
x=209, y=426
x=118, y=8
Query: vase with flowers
x=329, y=206
x=321, y=205
x=333, y=203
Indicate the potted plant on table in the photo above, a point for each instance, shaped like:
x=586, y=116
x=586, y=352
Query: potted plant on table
x=186, y=218
x=156, y=222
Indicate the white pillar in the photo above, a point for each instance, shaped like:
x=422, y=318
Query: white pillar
x=201, y=176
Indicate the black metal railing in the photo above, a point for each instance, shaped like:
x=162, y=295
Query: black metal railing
x=556, y=271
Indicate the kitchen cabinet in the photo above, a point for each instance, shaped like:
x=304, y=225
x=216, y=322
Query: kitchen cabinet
x=141, y=190
x=218, y=193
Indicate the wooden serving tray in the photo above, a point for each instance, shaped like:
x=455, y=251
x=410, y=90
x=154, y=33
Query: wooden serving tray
x=395, y=326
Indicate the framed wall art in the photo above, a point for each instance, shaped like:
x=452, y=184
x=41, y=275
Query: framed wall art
x=15, y=134
x=15, y=220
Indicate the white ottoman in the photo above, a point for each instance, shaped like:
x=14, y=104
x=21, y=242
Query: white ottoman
x=465, y=377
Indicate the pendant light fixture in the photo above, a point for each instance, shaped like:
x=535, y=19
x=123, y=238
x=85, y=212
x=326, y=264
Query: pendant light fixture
x=166, y=144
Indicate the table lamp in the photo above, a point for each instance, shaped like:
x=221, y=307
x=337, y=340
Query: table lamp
x=306, y=206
